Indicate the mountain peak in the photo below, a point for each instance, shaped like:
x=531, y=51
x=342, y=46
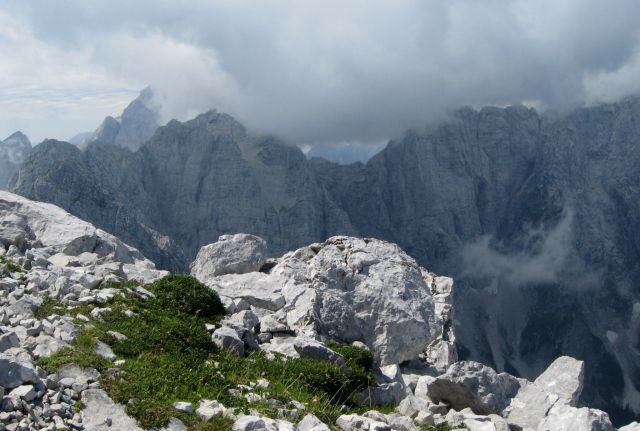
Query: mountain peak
x=132, y=128
x=18, y=137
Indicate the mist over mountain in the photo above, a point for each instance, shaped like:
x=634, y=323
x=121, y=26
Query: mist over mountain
x=13, y=151
x=535, y=216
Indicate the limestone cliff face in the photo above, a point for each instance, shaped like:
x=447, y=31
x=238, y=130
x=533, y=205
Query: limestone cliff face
x=536, y=217
x=190, y=183
x=13, y=151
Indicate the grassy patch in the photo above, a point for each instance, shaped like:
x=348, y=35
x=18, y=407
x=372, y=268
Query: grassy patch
x=169, y=357
x=81, y=354
x=11, y=265
x=49, y=307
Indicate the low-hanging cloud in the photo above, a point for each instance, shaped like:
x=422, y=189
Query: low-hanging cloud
x=316, y=71
x=553, y=259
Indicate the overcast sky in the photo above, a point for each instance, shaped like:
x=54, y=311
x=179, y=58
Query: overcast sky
x=310, y=71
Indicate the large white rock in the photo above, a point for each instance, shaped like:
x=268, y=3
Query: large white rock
x=100, y=413
x=346, y=289
x=254, y=423
x=311, y=423
x=470, y=421
x=633, y=426
x=257, y=289
x=473, y=385
x=565, y=418
x=231, y=254
x=559, y=385
x=357, y=423
x=48, y=232
x=368, y=290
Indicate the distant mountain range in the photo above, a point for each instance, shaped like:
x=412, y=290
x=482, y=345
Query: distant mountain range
x=536, y=217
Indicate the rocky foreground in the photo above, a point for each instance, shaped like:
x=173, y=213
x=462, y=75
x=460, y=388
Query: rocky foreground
x=62, y=278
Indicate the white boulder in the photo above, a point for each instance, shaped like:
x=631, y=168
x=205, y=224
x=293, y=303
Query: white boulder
x=360, y=423
x=227, y=339
x=231, y=254
x=473, y=385
x=560, y=384
x=566, y=418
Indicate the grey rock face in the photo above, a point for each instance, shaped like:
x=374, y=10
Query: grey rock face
x=13, y=151
x=189, y=184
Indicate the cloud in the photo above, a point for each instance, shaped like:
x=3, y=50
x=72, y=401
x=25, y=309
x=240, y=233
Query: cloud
x=318, y=72
x=550, y=259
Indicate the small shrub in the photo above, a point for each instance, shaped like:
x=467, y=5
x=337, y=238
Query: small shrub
x=354, y=356
x=186, y=294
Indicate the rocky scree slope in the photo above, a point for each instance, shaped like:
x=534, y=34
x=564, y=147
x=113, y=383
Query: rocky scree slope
x=535, y=216
x=294, y=308
x=46, y=255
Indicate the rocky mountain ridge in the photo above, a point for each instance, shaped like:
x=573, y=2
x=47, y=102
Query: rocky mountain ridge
x=533, y=215
x=317, y=293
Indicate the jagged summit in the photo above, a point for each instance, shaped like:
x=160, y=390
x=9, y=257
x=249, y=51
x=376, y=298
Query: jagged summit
x=138, y=122
x=18, y=137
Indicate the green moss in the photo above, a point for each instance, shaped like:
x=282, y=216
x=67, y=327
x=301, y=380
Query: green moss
x=11, y=265
x=49, y=307
x=78, y=406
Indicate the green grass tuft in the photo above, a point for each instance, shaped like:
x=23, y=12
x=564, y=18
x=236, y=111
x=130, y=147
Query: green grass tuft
x=49, y=307
x=81, y=354
x=11, y=265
